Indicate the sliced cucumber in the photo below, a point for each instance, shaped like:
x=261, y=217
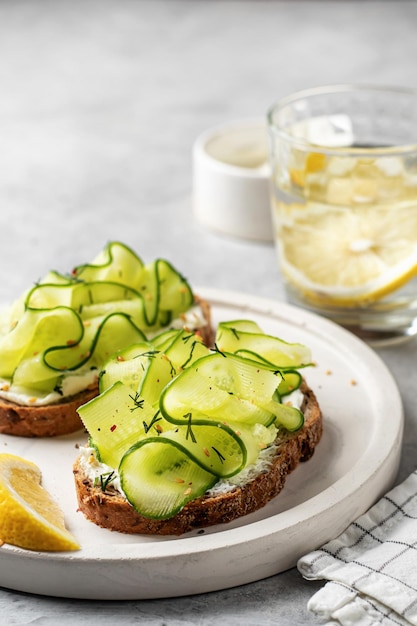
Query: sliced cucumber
x=56, y=278
x=163, y=340
x=111, y=303
x=50, y=295
x=248, y=326
x=214, y=446
x=128, y=366
x=255, y=438
x=185, y=349
x=222, y=388
x=35, y=331
x=281, y=354
x=291, y=418
x=158, y=373
x=291, y=380
x=159, y=477
x=181, y=416
x=239, y=376
x=149, y=290
x=116, y=262
x=116, y=420
x=102, y=337
x=176, y=294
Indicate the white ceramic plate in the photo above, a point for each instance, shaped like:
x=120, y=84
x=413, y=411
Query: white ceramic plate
x=354, y=464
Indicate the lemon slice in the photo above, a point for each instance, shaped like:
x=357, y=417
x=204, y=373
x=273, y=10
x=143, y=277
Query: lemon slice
x=349, y=257
x=29, y=518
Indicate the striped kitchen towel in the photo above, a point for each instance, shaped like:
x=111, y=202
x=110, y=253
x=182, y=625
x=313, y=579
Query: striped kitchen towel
x=371, y=568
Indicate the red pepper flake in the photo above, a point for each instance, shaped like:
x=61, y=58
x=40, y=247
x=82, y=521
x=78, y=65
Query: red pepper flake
x=71, y=342
x=113, y=428
x=120, y=358
x=353, y=382
x=206, y=452
x=179, y=480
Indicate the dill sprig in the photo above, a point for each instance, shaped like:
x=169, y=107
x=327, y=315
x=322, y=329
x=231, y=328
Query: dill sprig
x=105, y=480
x=189, y=432
x=147, y=427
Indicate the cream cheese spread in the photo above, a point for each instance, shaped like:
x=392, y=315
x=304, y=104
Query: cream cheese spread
x=71, y=385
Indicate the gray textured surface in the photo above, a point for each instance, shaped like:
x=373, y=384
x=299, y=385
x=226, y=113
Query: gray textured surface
x=100, y=102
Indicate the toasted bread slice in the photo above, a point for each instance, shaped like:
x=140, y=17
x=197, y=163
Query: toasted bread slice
x=49, y=420
x=61, y=418
x=109, y=509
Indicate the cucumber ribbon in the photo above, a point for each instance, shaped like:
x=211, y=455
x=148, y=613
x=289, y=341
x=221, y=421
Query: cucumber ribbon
x=73, y=323
x=174, y=417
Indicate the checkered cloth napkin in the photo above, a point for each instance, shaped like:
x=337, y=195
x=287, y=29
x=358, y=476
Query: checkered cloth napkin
x=371, y=568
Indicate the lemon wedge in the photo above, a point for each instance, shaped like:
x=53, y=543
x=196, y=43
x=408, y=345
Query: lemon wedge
x=29, y=517
x=349, y=257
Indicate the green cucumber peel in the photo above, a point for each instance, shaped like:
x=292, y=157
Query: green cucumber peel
x=220, y=385
x=233, y=337
x=116, y=283
x=115, y=262
x=99, y=341
x=169, y=478
x=97, y=298
x=215, y=447
x=291, y=381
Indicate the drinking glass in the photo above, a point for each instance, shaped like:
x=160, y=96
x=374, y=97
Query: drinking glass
x=344, y=205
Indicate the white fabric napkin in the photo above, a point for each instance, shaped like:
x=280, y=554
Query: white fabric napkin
x=371, y=567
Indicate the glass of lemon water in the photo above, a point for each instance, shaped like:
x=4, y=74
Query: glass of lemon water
x=344, y=205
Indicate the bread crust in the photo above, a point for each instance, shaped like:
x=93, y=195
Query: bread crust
x=111, y=510
x=61, y=418
x=50, y=420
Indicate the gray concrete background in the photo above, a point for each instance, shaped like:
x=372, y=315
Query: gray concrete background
x=100, y=103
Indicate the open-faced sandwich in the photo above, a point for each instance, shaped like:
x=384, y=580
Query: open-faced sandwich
x=183, y=436
x=55, y=338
